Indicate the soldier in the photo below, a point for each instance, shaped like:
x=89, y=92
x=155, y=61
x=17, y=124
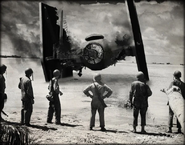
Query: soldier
x=176, y=82
x=3, y=95
x=138, y=97
x=97, y=89
x=27, y=99
x=54, y=106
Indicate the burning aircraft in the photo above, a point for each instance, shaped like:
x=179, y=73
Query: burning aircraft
x=97, y=52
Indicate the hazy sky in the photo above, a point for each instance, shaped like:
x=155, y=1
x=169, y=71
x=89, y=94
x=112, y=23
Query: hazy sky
x=162, y=24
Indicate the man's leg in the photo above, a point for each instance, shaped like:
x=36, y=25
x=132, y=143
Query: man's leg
x=28, y=113
x=50, y=112
x=101, y=118
x=1, y=108
x=57, y=112
x=179, y=126
x=135, y=115
x=30, y=110
x=22, y=116
x=92, y=119
x=143, y=119
x=23, y=113
x=170, y=120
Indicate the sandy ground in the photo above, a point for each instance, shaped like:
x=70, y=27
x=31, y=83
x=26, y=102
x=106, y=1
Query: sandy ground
x=75, y=105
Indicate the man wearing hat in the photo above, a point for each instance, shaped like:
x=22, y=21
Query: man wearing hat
x=96, y=91
x=3, y=96
x=138, y=97
x=54, y=105
x=27, y=99
x=176, y=82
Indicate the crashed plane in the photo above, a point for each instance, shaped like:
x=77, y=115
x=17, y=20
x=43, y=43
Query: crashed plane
x=96, y=53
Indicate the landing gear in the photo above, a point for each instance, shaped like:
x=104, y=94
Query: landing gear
x=80, y=72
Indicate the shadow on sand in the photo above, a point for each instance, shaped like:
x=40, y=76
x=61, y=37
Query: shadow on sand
x=45, y=128
x=154, y=134
x=69, y=125
x=113, y=131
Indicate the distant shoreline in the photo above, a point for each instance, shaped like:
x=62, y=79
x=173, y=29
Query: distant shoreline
x=17, y=56
x=129, y=61
x=155, y=63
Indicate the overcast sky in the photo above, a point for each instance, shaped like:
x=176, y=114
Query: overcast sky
x=162, y=24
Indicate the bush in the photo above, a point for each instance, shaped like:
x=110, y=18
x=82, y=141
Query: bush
x=13, y=134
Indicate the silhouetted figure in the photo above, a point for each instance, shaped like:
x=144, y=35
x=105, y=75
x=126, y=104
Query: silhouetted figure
x=27, y=99
x=54, y=106
x=176, y=82
x=96, y=91
x=138, y=97
x=3, y=96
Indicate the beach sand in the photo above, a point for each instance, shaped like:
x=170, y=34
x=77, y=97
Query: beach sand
x=75, y=106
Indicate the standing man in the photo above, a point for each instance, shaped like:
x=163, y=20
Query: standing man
x=96, y=91
x=3, y=95
x=54, y=106
x=176, y=82
x=27, y=99
x=138, y=97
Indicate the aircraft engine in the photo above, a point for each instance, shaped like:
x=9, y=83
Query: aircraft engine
x=93, y=55
x=99, y=53
x=96, y=54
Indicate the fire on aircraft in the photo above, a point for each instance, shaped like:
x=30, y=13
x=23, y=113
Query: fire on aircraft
x=96, y=53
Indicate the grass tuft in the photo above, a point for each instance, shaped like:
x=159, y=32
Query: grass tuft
x=14, y=134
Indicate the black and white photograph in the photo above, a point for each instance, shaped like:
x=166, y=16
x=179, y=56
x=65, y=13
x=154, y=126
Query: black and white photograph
x=92, y=72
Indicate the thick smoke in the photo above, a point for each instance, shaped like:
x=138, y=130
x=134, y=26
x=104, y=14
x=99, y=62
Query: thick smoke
x=20, y=21
x=123, y=40
x=26, y=40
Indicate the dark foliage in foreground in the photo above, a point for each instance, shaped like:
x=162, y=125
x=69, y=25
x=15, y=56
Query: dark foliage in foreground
x=13, y=134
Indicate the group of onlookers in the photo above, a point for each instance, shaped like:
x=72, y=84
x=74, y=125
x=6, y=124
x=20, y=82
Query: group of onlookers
x=98, y=91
